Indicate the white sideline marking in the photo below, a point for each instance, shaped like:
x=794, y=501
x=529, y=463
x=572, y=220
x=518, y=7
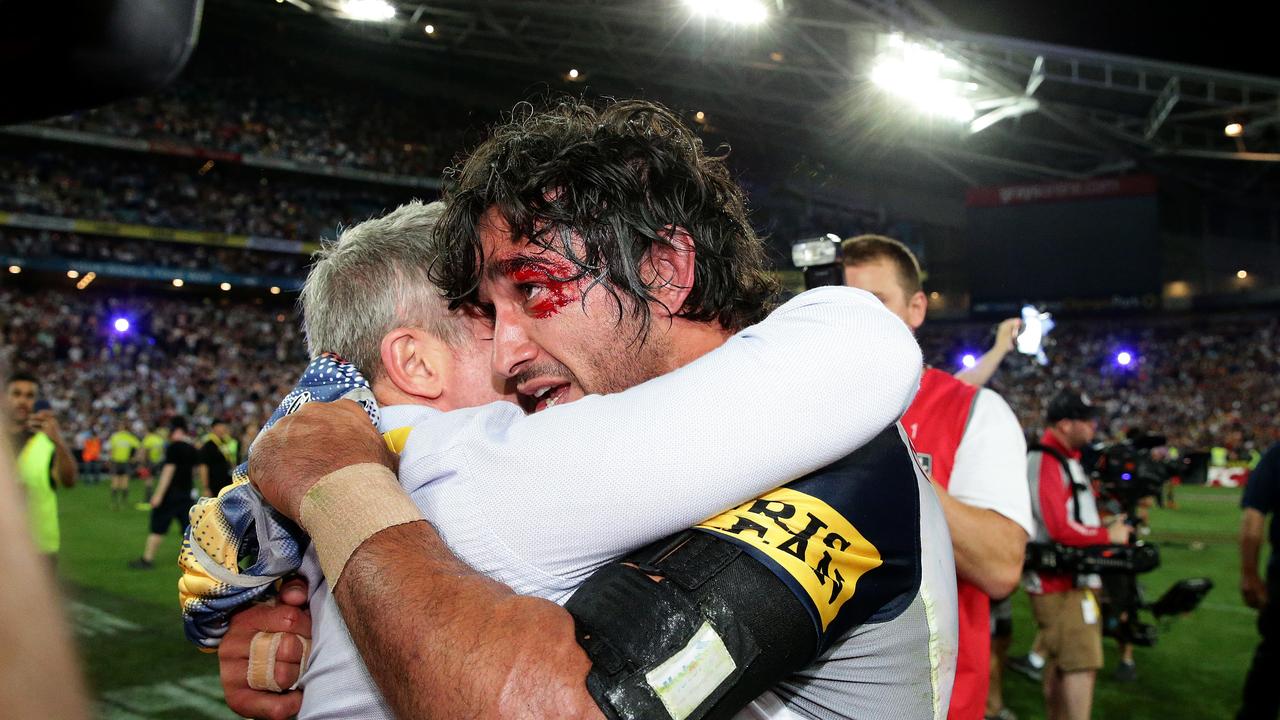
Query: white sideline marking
x=93, y=622
x=1223, y=607
x=198, y=697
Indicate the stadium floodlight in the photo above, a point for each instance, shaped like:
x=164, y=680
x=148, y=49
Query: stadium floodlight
x=178, y=282
x=924, y=78
x=368, y=10
x=1124, y=358
x=1242, y=274
x=15, y=269
x=225, y=286
x=968, y=361
x=121, y=324
x=1235, y=129
x=275, y=290
x=573, y=73
x=738, y=12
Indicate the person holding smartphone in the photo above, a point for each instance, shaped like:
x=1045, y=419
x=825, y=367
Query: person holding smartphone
x=44, y=460
x=969, y=442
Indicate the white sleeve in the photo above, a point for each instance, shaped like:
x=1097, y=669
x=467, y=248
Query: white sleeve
x=571, y=487
x=990, y=469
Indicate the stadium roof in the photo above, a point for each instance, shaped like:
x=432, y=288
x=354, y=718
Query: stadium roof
x=803, y=77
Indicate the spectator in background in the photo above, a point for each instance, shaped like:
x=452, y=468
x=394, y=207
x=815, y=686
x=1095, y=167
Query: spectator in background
x=218, y=456
x=986, y=366
x=1066, y=510
x=122, y=448
x=1262, y=498
x=1001, y=608
x=153, y=459
x=92, y=456
x=172, y=499
x=970, y=444
x=44, y=461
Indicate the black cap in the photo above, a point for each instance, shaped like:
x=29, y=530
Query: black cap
x=1071, y=405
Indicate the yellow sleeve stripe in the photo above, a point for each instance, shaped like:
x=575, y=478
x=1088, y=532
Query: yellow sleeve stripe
x=397, y=438
x=808, y=539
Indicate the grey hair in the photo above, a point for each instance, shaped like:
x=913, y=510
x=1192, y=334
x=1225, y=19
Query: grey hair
x=373, y=279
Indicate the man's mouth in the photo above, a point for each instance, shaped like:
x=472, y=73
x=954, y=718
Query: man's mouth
x=545, y=397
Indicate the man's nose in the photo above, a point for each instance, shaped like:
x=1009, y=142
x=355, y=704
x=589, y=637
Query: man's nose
x=512, y=347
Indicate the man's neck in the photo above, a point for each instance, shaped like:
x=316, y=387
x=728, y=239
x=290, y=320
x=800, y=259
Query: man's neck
x=20, y=434
x=691, y=340
x=1061, y=439
x=387, y=394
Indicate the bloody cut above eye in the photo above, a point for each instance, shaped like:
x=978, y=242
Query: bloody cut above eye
x=551, y=289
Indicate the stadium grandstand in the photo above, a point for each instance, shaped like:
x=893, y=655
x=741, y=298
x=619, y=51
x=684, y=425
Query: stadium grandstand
x=152, y=249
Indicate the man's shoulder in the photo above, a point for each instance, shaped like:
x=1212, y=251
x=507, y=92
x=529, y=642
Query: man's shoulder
x=1270, y=462
x=431, y=430
x=940, y=389
x=1263, y=489
x=945, y=382
x=991, y=416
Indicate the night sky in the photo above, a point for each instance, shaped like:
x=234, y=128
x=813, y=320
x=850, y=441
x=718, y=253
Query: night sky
x=1225, y=35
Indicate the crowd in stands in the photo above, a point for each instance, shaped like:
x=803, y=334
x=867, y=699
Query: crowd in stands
x=200, y=359
x=289, y=116
x=45, y=244
x=151, y=190
x=1201, y=381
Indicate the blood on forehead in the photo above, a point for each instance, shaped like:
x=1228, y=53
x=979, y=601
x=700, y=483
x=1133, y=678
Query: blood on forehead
x=543, y=261
x=556, y=281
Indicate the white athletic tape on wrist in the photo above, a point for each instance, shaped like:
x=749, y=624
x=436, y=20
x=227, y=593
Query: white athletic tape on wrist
x=347, y=507
x=263, y=648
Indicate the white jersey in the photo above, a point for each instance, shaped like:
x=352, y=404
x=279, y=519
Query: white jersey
x=539, y=502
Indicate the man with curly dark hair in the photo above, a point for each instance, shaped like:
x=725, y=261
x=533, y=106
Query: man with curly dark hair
x=594, y=194
x=602, y=188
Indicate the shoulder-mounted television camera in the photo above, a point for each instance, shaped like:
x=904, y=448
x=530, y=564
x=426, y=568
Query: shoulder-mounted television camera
x=1126, y=472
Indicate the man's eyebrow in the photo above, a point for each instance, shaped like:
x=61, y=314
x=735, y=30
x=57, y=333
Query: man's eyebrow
x=510, y=265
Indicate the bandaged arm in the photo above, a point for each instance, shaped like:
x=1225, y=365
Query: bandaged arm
x=444, y=641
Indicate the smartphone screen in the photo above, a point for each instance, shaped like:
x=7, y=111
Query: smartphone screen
x=1035, y=326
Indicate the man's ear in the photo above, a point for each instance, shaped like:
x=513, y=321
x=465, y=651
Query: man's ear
x=667, y=269
x=415, y=362
x=917, y=306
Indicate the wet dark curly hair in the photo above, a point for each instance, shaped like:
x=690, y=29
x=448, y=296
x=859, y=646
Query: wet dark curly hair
x=617, y=176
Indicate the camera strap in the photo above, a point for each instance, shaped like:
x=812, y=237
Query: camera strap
x=1071, y=478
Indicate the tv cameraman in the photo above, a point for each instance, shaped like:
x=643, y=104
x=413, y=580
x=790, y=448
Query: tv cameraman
x=1262, y=497
x=1066, y=512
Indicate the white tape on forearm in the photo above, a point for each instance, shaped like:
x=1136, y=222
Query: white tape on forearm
x=347, y=507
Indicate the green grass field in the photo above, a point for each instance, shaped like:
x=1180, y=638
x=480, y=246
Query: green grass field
x=140, y=666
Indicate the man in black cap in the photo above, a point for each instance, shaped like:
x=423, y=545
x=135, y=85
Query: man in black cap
x=1066, y=512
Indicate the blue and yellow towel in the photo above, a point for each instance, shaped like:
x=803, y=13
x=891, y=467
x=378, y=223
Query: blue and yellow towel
x=237, y=546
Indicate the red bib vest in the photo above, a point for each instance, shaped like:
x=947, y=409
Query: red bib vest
x=936, y=422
